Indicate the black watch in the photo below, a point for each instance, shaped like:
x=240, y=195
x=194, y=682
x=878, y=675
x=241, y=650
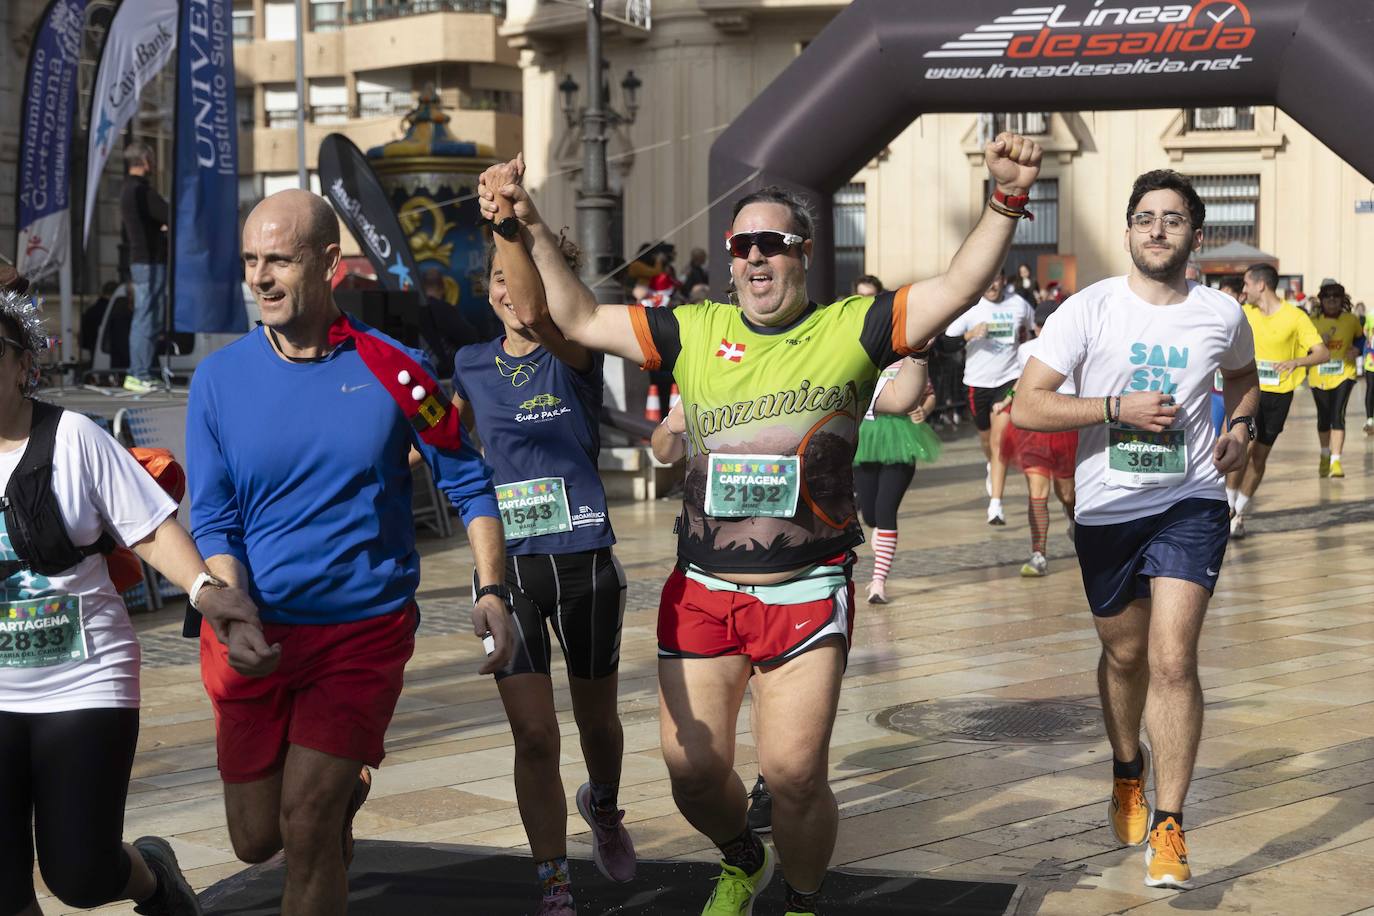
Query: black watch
x=499, y=591
x=1250, y=431
x=508, y=228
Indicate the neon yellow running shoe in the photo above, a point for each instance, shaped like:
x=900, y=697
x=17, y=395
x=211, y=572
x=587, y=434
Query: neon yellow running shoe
x=736, y=892
x=1324, y=466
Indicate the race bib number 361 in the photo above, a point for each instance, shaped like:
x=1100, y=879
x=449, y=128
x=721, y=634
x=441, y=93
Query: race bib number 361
x=530, y=508
x=1139, y=459
x=745, y=486
x=41, y=632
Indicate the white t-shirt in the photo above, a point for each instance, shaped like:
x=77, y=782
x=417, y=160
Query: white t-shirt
x=1109, y=341
x=991, y=361
x=99, y=485
x=1031, y=348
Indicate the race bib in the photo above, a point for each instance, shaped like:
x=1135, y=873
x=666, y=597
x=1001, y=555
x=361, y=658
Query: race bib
x=1002, y=331
x=530, y=508
x=747, y=486
x=1332, y=367
x=1268, y=371
x=41, y=632
x=1137, y=459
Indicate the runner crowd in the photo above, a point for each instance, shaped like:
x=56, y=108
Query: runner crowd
x=1147, y=404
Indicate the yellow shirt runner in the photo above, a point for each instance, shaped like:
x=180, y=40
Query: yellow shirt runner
x=1285, y=335
x=1339, y=334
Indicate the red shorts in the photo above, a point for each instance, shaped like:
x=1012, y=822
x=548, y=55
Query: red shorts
x=697, y=622
x=334, y=692
x=1047, y=454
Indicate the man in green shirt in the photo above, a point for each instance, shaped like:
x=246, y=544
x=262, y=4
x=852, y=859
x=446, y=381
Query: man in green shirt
x=773, y=391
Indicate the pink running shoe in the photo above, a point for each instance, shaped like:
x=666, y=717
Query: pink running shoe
x=561, y=905
x=613, y=850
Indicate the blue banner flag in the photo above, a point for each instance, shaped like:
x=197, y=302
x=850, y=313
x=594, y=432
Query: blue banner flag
x=45, y=145
x=207, y=274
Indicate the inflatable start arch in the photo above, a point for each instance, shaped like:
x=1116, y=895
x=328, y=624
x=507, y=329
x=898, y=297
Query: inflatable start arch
x=880, y=64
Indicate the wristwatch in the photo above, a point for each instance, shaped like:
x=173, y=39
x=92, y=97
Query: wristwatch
x=1250, y=431
x=499, y=591
x=203, y=581
x=508, y=227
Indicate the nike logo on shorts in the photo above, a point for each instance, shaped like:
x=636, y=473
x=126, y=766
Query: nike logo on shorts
x=349, y=389
x=1212, y=572
x=798, y=626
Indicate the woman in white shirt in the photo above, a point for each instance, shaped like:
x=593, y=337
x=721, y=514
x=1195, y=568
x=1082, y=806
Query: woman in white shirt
x=69, y=659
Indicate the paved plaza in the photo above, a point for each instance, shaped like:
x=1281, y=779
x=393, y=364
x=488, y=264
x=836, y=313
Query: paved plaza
x=968, y=744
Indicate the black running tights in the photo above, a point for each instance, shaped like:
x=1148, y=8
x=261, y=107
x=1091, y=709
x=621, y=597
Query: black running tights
x=63, y=780
x=881, y=488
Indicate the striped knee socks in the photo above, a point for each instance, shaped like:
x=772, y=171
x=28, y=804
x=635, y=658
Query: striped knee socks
x=1039, y=523
x=884, y=547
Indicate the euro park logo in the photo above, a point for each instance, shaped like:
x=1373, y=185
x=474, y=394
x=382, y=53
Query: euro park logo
x=1107, y=29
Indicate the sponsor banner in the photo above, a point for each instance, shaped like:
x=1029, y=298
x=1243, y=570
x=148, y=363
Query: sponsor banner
x=45, y=145
x=206, y=272
x=355, y=193
x=140, y=41
x=1102, y=38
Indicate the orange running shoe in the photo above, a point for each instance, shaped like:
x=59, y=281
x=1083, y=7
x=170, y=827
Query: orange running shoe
x=1128, y=811
x=1166, y=858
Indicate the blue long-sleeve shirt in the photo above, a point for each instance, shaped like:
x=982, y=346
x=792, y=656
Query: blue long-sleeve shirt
x=300, y=471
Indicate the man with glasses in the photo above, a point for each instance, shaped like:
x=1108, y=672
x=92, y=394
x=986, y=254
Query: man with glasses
x=1151, y=516
x=773, y=391
x=1286, y=342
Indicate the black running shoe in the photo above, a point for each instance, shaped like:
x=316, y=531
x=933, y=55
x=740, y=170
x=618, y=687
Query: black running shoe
x=760, y=807
x=177, y=898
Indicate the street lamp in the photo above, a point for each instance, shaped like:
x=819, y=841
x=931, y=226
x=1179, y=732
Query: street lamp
x=595, y=202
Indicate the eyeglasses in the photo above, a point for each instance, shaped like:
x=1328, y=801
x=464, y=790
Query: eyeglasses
x=1173, y=223
x=770, y=242
x=13, y=343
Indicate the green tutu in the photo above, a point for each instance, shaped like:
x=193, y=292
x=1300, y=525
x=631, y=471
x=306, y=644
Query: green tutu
x=893, y=439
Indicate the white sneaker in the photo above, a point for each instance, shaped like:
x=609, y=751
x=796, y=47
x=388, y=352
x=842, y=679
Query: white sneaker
x=1369, y=427
x=1238, y=528
x=1036, y=566
x=995, y=516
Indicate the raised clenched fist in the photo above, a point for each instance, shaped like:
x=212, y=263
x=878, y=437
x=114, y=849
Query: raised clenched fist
x=1013, y=162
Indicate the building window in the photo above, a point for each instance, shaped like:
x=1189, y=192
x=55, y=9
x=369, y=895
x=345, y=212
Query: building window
x=328, y=100
x=1029, y=123
x=373, y=10
x=279, y=21
x=850, y=221
x=384, y=104
x=1038, y=236
x=280, y=102
x=1232, y=208
x=327, y=15
x=491, y=100
x=243, y=24
x=1233, y=118
x=243, y=106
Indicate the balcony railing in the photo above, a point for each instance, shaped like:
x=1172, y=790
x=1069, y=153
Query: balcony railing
x=1021, y=122
x=285, y=117
x=379, y=9
x=384, y=104
x=1202, y=119
x=329, y=114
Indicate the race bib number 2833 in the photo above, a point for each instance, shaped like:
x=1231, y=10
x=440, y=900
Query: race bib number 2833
x=41, y=632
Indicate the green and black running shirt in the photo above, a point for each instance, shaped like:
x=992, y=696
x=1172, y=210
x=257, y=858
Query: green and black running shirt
x=799, y=390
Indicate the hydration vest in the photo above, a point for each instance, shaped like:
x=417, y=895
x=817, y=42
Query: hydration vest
x=33, y=517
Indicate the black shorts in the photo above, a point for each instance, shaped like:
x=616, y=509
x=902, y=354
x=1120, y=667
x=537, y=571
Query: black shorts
x=1273, y=413
x=1331, y=404
x=582, y=595
x=1187, y=541
x=980, y=401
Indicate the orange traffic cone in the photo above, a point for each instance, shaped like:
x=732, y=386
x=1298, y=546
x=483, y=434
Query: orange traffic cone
x=653, y=410
x=673, y=397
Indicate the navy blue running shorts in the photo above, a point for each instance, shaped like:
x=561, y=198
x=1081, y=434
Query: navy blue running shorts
x=1118, y=561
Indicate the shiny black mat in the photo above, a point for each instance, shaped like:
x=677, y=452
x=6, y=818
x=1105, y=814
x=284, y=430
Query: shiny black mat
x=409, y=879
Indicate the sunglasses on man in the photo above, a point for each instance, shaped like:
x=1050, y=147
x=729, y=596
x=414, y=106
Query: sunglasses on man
x=770, y=242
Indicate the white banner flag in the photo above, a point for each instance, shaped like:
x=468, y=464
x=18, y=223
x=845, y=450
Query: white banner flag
x=142, y=36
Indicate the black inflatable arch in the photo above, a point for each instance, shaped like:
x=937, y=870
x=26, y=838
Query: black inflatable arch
x=880, y=64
